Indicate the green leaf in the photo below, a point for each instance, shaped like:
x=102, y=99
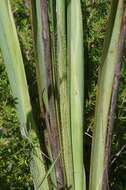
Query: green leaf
x=105, y=84
x=76, y=73
x=9, y=45
x=63, y=80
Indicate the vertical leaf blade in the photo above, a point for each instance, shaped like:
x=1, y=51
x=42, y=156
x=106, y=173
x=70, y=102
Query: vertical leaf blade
x=9, y=45
x=105, y=84
x=46, y=82
x=76, y=90
x=63, y=91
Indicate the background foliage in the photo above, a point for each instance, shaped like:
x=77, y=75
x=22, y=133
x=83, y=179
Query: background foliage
x=14, y=155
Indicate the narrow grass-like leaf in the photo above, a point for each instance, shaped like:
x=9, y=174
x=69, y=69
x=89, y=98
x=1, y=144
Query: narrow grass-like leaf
x=9, y=45
x=46, y=82
x=51, y=168
x=63, y=91
x=76, y=90
x=105, y=84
